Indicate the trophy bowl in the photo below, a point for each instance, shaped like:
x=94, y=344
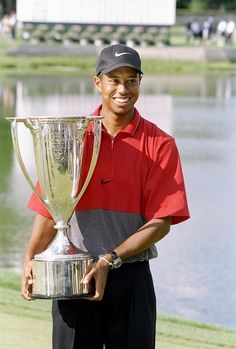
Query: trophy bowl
x=59, y=157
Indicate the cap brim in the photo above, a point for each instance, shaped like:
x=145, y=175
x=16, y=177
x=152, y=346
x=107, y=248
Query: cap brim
x=118, y=65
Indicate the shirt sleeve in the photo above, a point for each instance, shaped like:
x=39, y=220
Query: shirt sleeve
x=36, y=205
x=165, y=194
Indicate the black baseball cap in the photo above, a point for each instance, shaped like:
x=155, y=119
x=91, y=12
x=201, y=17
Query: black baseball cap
x=117, y=56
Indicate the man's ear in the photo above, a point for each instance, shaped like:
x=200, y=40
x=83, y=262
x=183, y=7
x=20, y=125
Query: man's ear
x=140, y=77
x=97, y=83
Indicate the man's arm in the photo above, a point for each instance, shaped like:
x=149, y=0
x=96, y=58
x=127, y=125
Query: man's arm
x=150, y=233
x=41, y=236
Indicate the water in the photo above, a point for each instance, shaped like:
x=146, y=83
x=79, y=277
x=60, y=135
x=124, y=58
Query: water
x=195, y=273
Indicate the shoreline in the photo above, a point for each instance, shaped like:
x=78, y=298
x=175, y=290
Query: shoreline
x=19, y=59
x=199, y=54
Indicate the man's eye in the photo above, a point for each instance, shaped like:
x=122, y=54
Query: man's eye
x=132, y=81
x=113, y=81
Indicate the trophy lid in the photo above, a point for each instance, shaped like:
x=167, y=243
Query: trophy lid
x=53, y=119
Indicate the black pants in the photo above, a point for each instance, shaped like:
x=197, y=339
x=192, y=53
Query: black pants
x=124, y=319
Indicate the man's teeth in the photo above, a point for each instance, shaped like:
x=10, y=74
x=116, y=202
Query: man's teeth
x=122, y=100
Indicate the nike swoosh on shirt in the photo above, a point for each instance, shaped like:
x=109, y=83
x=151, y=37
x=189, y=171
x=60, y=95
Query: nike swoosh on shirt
x=122, y=53
x=104, y=181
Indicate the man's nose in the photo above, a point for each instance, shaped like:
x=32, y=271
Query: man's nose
x=122, y=87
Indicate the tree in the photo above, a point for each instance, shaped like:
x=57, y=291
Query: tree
x=228, y=4
x=206, y=4
x=198, y=5
x=183, y=3
x=7, y=6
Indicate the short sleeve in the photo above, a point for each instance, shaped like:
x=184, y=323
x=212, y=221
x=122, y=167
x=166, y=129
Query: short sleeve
x=165, y=193
x=36, y=205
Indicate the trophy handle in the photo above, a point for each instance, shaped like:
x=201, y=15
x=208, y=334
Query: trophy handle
x=21, y=162
x=96, y=148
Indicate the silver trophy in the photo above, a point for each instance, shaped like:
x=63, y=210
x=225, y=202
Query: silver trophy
x=58, y=150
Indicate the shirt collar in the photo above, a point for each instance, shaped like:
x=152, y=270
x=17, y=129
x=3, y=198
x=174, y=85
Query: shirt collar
x=131, y=127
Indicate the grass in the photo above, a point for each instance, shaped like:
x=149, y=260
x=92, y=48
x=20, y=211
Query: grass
x=78, y=66
x=42, y=65
x=29, y=325
x=24, y=65
x=46, y=65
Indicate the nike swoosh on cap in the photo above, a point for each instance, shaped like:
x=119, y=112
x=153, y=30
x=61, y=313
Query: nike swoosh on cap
x=122, y=53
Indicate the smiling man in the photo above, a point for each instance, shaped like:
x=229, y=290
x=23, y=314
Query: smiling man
x=118, y=77
x=136, y=192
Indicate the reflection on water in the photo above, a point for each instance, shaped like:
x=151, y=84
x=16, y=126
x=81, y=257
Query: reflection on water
x=194, y=274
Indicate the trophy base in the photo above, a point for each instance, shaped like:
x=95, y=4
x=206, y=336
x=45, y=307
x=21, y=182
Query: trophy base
x=59, y=297
x=60, y=278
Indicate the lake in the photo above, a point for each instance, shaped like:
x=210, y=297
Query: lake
x=194, y=274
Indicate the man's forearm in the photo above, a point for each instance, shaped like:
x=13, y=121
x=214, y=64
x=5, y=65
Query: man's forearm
x=41, y=236
x=143, y=238
x=146, y=236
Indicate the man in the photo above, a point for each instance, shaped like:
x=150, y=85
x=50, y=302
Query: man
x=136, y=193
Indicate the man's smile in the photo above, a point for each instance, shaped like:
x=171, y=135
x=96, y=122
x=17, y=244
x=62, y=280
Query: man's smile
x=121, y=100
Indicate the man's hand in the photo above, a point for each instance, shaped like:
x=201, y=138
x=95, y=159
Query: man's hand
x=42, y=234
x=96, y=278
x=27, y=281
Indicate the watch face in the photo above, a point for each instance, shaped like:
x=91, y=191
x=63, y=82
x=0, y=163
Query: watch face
x=114, y=255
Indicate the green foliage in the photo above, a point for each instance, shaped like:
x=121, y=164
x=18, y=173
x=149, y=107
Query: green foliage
x=182, y=4
x=199, y=5
x=6, y=6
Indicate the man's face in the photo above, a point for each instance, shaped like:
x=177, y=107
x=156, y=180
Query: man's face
x=119, y=89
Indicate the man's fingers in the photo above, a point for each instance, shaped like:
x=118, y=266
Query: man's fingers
x=26, y=292
x=97, y=297
x=27, y=283
x=87, y=277
x=99, y=290
x=89, y=268
x=95, y=279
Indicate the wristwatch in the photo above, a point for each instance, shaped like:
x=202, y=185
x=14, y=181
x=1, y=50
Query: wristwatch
x=116, y=260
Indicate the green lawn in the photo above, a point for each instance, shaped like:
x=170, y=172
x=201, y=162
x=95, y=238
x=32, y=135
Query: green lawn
x=29, y=325
x=79, y=66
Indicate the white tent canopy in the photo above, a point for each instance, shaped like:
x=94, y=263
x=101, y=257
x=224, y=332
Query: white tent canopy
x=131, y=12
